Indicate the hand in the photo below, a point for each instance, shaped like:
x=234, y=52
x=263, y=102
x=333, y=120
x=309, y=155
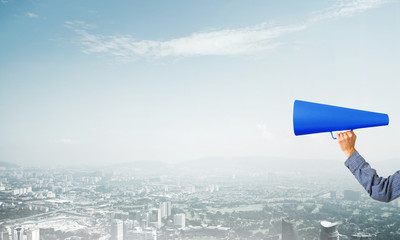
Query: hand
x=347, y=141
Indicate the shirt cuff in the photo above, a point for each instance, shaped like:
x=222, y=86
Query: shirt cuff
x=354, y=161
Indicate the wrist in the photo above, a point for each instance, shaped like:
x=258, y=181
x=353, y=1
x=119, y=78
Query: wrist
x=349, y=152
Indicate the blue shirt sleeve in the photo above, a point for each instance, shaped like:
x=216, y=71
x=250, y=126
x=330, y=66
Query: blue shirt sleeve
x=379, y=188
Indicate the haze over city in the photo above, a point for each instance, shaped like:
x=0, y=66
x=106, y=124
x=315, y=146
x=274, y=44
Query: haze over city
x=173, y=120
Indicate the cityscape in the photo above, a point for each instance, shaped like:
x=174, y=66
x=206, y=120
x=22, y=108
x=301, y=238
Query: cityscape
x=151, y=200
x=175, y=120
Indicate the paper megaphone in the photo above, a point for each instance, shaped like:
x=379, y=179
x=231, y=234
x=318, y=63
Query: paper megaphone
x=309, y=118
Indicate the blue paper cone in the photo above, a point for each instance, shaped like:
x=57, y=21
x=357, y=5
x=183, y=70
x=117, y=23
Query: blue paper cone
x=309, y=118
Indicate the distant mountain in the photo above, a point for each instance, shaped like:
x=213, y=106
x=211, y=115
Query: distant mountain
x=141, y=164
x=234, y=165
x=8, y=165
x=254, y=164
x=148, y=167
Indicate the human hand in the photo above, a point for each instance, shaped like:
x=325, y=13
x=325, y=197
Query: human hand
x=347, y=141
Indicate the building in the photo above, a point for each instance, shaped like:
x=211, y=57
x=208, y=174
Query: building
x=134, y=215
x=117, y=230
x=361, y=236
x=5, y=234
x=179, y=220
x=140, y=234
x=33, y=234
x=128, y=225
x=165, y=208
x=155, y=217
x=144, y=220
x=329, y=231
x=18, y=233
x=201, y=232
x=144, y=223
x=289, y=231
x=169, y=207
x=352, y=195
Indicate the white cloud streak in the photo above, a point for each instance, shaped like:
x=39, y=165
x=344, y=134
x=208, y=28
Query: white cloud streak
x=239, y=41
x=224, y=42
x=346, y=8
x=32, y=15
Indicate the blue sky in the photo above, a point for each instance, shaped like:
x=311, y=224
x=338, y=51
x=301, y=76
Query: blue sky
x=98, y=82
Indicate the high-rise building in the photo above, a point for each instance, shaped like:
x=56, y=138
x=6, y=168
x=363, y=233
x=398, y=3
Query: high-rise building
x=18, y=233
x=351, y=195
x=5, y=234
x=117, y=230
x=33, y=234
x=164, y=210
x=169, y=207
x=145, y=219
x=155, y=217
x=179, y=220
x=289, y=231
x=128, y=225
x=329, y=231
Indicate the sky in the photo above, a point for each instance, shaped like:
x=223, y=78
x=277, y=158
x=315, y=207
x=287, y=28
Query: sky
x=102, y=82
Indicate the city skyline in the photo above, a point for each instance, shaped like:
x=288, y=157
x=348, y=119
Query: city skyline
x=126, y=203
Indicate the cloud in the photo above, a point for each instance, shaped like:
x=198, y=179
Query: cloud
x=32, y=15
x=248, y=40
x=224, y=42
x=346, y=8
x=67, y=141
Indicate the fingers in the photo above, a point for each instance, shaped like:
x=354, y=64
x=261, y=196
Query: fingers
x=351, y=134
x=340, y=137
x=345, y=135
x=347, y=142
x=348, y=134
